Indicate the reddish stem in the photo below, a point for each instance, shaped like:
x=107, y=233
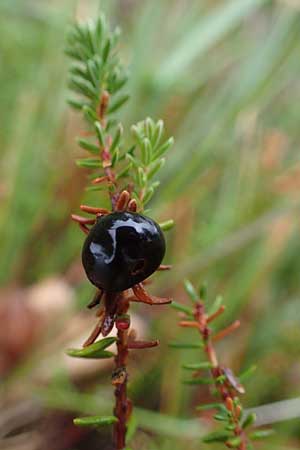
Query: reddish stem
x=116, y=305
x=103, y=104
x=123, y=405
x=225, y=390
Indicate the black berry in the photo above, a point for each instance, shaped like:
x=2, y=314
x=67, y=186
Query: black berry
x=121, y=250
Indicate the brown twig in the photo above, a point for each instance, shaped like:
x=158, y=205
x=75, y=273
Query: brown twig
x=123, y=405
x=229, y=387
x=115, y=305
x=119, y=201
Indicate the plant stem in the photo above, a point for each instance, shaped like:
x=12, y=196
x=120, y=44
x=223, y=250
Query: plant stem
x=225, y=390
x=123, y=405
x=98, y=76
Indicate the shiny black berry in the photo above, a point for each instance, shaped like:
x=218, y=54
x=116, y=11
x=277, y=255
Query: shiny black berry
x=121, y=250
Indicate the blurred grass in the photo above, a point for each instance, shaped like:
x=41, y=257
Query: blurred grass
x=225, y=77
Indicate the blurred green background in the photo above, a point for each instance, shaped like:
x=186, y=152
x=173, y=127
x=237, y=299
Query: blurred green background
x=224, y=75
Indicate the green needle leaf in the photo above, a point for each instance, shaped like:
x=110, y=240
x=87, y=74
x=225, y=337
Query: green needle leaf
x=89, y=163
x=182, y=308
x=96, y=188
x=82, y=86
x=197, y=366
x=116, y=139
x=131, y=427
x=95, y=350
x=234, y=442
x=163, y=148
x=146, y=151
x=261, y=434
x=190, y=290
x=115, y=157
x=89, y=114
x=95, y=421
x=124, y=172
x=186, y=345
x=135, y=130
x=208, y=406
x=203, y=291
x=157, y=134
x=221, y=417
x=100, y=354
x=149, y=194
x=250, y=420
x=247, y=373
x=217, y=436
x=167, y=225
x=134, y=161
x=195, y=381
x=149, y=126
x=88, y=146
x=76, y=104
x=100, y=133
x=106, y=50
x=117, y=104
x=142, y=177
x=155, y=167
x=216, y=305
